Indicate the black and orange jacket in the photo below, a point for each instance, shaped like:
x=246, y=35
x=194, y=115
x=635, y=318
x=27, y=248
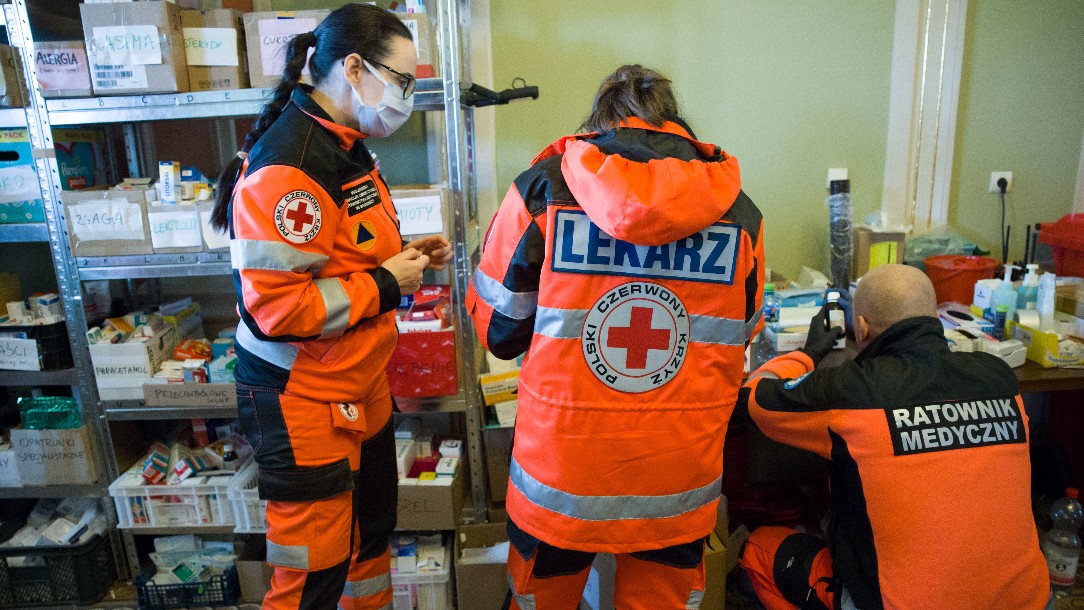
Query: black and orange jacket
x=931, y=474
x=311, y=220
x=628, y=266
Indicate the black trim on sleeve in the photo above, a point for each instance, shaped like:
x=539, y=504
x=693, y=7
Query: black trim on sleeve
x=388, y=286
x=747, y=214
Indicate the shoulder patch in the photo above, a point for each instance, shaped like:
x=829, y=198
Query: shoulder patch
x=298, y=217
x=790, y=384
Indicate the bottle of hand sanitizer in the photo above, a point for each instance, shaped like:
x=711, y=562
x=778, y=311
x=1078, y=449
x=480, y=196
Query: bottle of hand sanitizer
x=1028, y=292
x=1004, y=296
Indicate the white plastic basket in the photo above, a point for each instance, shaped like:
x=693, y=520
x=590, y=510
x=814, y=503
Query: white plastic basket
x=248, y=508
x=199, y=501
x=428, y=590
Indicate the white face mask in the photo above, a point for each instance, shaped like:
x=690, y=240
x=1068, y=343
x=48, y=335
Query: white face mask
x=390, y=112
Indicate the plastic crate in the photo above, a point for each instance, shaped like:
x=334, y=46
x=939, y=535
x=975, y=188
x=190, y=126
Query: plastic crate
x=248, y=509
x=198, y=501
x=221, y=590
x=80, y=574
x=1066, y=240
x=54, y=349
x=428, y=590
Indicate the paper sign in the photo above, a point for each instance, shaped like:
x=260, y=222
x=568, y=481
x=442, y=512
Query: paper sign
x=175, y=230
x=119, y=77
x=275, y=34
x=412, y=25
x=19, y=354
x=419, y=215
x=19, y=183
x=126, y=44
x=62, y=68
x=211, y=236
x=107, y=219
x=210, y=46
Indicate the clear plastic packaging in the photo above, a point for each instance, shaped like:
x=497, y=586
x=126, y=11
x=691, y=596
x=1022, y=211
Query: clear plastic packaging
x=839, y=222
x=1061, y=546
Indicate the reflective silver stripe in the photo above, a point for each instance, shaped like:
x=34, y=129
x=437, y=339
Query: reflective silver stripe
x=296, y=557
x=695, y=597
x=273, y=256
x=568, y=324
x=336, y=304
x=281, y=355
x=612, y=508
x=515, y=305
x=368, y=587
x=525, y=602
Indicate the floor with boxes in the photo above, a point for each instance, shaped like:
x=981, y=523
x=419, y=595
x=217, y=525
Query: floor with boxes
x=126, y=480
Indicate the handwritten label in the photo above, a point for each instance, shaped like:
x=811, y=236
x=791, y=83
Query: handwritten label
x=419, y=215
x=119, y=77
x=214, y=239
x=126, y=44
x=190, y=394
x=210, y=46
x=55, y=457
x=60, y=69
x=9, y=471
x=19, y=183
x=107, y=219
x=19, y=354
x=412, y=25
x=275, y=34
x=175, y=230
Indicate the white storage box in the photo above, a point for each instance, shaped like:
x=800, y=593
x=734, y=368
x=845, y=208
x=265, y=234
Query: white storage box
x=121, y=369
x=424, y=590
x=248, y=508
x=198, y=501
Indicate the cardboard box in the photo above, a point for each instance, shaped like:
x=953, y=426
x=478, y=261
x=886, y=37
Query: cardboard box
x=715, y=552
x=424, y=42
x=480, y=584
x=12, y=78
x=80, y=155
x=424, y=365
x=213, y=240
x=421, y=211
x=245, y=6
x=9, y=469
x=1070, y=300
x=20, y=189
x=108, y=222
x=54, y=457
x=190, y=395
x=497, y=443
x=1045, y=349
x=266, y=36
x=786, y=339
x=63, y=69
x=214, y=47
x=121, y=369
x=431, y=505
x=174, y=229
x=253, y=572
x=135, y=47
x=875, y=248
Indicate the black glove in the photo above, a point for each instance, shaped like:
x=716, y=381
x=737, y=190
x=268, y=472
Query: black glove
x=821, y=339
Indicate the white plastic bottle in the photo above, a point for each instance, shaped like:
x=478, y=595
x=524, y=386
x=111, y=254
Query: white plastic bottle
x=1028, y=292
x=1062, y=543
x=836, y=317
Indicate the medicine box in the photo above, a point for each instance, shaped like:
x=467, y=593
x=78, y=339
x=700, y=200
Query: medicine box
x=1045, y=348
x=214, y=47
x=20, y=189
x=80, y=156
x=424, y=365
x=135, y=47
x=196, y=501
x=121, y=369
x=54, y=457
x=108, y=222
x=63, y=69
x=267, y=35
x=430, y=505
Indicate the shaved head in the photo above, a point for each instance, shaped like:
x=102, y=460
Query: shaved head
x=890, y=293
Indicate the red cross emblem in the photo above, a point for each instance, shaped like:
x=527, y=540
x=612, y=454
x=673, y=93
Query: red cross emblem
x=298, y=216
x=298, y=213
x=638, y=338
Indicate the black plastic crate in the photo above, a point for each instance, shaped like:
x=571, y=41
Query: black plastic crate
x=54, y=349
x=221, y=590
x=80, y=574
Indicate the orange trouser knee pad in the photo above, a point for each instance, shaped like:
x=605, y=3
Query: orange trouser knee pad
x=789, y=570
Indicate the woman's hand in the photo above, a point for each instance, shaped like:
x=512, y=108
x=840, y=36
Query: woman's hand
x=407, y=267
x=436, y=247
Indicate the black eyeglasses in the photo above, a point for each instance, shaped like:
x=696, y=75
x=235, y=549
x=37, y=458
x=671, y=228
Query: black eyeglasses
x=410, y=83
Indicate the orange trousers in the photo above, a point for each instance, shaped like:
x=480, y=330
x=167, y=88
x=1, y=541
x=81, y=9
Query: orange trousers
x=790, y=570
x=331, y=503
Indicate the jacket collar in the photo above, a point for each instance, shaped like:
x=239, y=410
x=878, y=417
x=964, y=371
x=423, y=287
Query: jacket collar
x=302, y=98
x=922, y=334
x=705, y=149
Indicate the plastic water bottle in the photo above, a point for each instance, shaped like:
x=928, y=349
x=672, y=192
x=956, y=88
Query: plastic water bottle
x=771, y=304
x=1062, y=543
x=763, y=349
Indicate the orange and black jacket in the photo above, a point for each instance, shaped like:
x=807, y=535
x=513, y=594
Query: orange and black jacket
x=311, y=220
x=628, y=266
x=931, y=474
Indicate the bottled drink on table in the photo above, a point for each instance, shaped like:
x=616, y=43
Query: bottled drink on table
x=1062, y=543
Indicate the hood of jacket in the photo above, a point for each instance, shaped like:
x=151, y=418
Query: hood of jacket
x=648, y=185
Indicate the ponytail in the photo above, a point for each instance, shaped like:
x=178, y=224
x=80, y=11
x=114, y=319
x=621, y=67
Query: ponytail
x=631, y=91
x=296, y=54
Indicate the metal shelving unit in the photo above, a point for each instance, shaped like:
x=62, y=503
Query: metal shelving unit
x=39, y=378
x=173, y=530
x=134, y=410
x=55, y=491
x=153, y=265
x=24, y=233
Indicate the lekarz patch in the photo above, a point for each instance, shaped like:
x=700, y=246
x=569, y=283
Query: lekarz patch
x=298, y=217
x=361, y=197
x=709, y=255
x=955, y=425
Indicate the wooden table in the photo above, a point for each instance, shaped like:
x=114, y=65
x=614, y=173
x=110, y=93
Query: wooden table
x=1034, y=378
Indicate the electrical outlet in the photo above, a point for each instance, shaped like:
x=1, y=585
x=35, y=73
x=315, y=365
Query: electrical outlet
x=994, y=176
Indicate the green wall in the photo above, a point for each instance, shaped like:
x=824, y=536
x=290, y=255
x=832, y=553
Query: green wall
x=1021, y=110
x=789, y=88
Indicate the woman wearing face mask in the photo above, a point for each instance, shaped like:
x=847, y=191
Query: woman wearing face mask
x=319, y=266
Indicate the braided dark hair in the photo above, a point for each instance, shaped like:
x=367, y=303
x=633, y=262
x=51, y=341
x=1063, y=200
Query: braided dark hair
x=353, y=28
x=631, y=91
